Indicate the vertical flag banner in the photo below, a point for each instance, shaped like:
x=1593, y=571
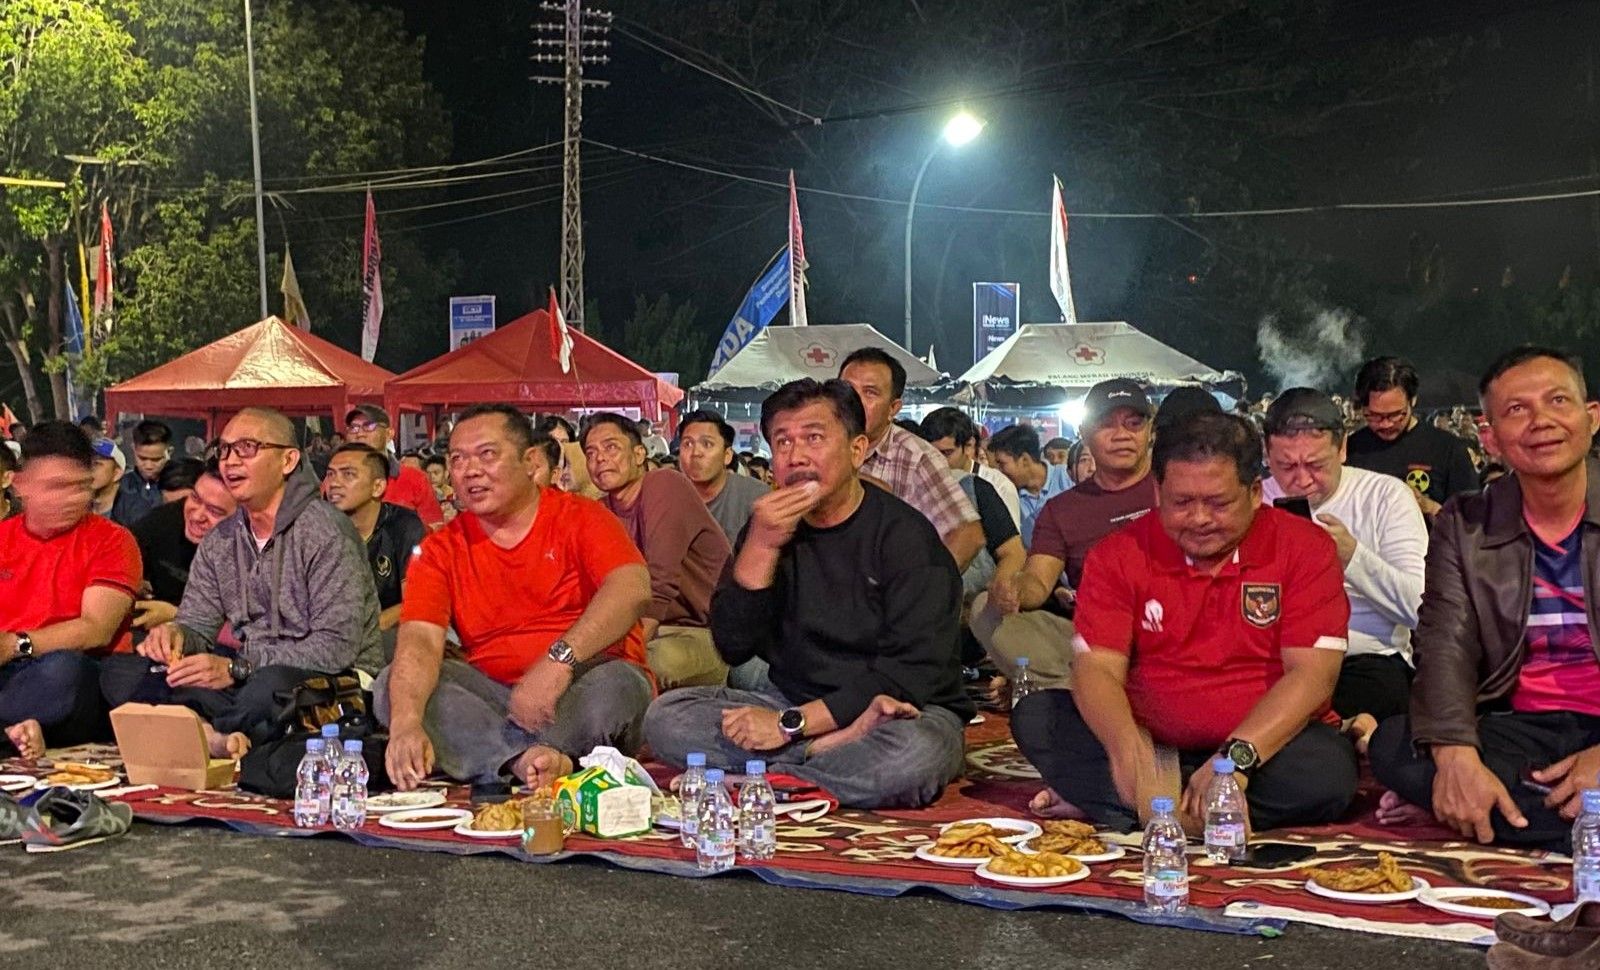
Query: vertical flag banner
x=560, y=336
x=371, y=284
x=766, y=297
x=797, y=260
x=103, y=290
x=1060, y=280
x=72, y=346
x=994, y=316
x=294, y=305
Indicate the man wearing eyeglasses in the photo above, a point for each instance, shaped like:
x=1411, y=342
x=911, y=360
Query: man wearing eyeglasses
x=1436, y=464
x=408, y=487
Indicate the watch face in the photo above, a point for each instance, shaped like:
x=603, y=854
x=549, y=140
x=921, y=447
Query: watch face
x=791, y=720
x=1242, y=754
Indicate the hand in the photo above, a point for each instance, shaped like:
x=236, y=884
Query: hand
x=1568, y=778
x=1195, y=792
x=152, y=613
x=1066, y=598
x=201, y=670
x=533, y=701
x=409, y=757
x=753, y=728
x=774, y=516
x=1003, y=597
x=163, y=645
x=1428, y=506
x=1342, y=539
x=883, y=708
x=1465, y=791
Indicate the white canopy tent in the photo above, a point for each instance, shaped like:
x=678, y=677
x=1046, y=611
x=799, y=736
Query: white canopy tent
x=779, y=355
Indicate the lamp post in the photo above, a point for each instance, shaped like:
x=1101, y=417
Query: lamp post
x=255, y=159
x=957, y=132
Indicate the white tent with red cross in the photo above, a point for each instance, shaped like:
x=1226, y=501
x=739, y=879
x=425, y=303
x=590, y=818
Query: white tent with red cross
x=779, y=355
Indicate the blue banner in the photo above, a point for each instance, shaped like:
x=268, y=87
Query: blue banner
x=72, y=341
x=761, y=304
x=994, y=316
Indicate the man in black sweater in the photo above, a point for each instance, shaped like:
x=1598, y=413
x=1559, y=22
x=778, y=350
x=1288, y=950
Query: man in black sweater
x=853, y=599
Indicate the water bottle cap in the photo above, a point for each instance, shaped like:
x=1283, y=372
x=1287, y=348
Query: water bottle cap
x=696, y=759
x=1223, y=766
x=1161, y=805
x=755, y=766
x=1591, y=800
x=316, y=744
x=1022, y=661
x=353, y=746
x=330, y=730
x=714, y=776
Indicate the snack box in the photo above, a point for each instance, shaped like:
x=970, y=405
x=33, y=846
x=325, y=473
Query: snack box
x=165, y=744
x=594, y=802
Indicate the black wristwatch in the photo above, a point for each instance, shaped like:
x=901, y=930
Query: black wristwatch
x=792, y=723
x=24, y=645
x=240, y=669
x=1242, y=753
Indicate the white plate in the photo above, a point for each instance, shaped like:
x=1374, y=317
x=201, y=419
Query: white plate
x=403, y=801
x=1112, y=852
x=1025, y=829
x=1030, y=882
x=925, y=853
x=1443, y=898
x=41, y=785
x=416, y=819
x=11, y=783
x=1418, y=885
x=465, y=828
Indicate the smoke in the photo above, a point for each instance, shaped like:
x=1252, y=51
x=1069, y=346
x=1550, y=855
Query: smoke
x=1319, y=354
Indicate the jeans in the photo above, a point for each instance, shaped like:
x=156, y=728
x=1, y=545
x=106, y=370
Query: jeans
x=473, y=739
x=899, y=764
x=249, y=708
x=57, y=689
x=1311, y=781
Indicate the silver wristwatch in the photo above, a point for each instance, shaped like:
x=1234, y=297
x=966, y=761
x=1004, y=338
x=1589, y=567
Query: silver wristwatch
x=24, y=645
x=561, y=653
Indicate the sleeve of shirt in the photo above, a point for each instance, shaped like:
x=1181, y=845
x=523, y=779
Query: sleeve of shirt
x=668, y=534
x=203, y=611
x=117, y=564
x=998, y=529
x=425, y=597
x=1315, y=611
x=412, y=533
x=1107, y=599
x=1463, y=475
x=427, y=503
x=948, y=503
x=603, y=543
x=1388, y=571
x=744, y=621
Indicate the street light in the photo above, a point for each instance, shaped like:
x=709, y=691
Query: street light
x=255, y=157
x=957, y=132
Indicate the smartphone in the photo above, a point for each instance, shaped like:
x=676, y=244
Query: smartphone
x=1525, y=776
x=1294, y=505
x=1278, y=855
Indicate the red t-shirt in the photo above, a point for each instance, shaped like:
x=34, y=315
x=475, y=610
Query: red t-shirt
x=509, y=605
x=42, y=580
x=1203, y=650
x=412, y=489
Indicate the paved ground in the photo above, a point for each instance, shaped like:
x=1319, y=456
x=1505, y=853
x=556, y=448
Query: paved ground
x=175, y=898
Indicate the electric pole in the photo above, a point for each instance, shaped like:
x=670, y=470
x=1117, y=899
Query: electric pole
x=581, y=38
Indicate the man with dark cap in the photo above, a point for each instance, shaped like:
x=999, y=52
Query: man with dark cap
x=1182, y=400
x=409, y=487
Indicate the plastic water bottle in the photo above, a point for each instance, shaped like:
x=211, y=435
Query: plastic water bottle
x=758, y=822
x=1586, y=849
x=311, y=787
x=1021, y=682
x=1166, y=867
x=350, y=788
x=714, y=851
x=690, y=788
x=330, y=744
x=1226, y=814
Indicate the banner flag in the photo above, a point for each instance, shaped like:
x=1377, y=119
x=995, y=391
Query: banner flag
x=767, y=296
x=1060, y=280
x=371, y=285
x=560, y=336
x=797, y=261
x=294, y=305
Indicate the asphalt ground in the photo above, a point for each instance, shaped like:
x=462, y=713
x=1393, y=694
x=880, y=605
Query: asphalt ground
x=180, y=897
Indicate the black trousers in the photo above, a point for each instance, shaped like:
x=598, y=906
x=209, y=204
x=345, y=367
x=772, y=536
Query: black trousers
x=247, y=708
x=1374, y=684
x=1311, y=781
x=1509, y=744
x=57, y=689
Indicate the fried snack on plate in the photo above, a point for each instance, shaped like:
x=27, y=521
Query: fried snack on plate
x=976, y=841
x=1040, y=865
x=1069, y=827
x=499, y=817
x=1066, y=844
x=75, y=773
x=1386, y=877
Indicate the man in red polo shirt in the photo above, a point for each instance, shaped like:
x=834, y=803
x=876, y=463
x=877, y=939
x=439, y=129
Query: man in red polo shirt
x=1214, y=626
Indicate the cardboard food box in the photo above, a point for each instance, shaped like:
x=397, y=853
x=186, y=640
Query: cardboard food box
x=165, y=744
x=594, y=802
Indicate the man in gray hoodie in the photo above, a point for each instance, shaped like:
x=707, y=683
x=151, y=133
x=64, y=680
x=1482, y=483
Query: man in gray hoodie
x=277, y=592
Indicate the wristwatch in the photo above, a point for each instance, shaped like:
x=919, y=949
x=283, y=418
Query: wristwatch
x=792, y=723
x=24, y=645
x=240, y=669
x=1242, y=753
x=561, y=653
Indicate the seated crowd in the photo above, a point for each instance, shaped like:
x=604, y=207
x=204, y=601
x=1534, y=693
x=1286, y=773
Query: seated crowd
x=1183, y=582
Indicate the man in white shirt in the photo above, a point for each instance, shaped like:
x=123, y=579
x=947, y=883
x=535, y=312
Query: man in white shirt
x=1382, y=542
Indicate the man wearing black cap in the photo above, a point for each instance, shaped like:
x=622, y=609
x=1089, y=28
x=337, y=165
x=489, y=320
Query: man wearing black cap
x=369, y=425
x=1381, y=539
x=1181, y=400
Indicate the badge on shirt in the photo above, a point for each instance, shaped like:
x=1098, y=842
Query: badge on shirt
x=1261, y=603
x=385, y=567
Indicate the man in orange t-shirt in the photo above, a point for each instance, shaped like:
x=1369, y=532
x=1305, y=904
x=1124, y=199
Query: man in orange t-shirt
x=545, y=591
x=67, y=581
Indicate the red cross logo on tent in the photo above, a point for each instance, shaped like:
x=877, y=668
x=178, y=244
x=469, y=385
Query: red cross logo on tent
x=1086, y=355
x=817, y=356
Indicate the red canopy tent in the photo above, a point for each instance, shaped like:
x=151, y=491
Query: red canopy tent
x=515, y=365
x=267, y=364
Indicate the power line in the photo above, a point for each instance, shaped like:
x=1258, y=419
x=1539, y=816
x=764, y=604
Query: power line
x=745, y=88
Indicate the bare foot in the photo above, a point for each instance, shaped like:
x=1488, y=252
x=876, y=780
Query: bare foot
x=221, y=745
x=28, y=738
x=540, y=766
x=1048, y=804
x=1396, y=811
x=1359, y=730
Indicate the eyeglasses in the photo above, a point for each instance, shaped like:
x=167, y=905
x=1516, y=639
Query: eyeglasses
x=244, y=447
x=1386, y=417
x=363, y=428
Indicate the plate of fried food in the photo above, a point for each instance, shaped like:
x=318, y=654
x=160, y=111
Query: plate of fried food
x=16, y=783
x=1074, y=839
x=79, y=776
x=1032, y=870
x=1482, y=903
x=500, y=820
x=965, y=844
x=1384, y=883
x=424, y=819
x=1007, y=830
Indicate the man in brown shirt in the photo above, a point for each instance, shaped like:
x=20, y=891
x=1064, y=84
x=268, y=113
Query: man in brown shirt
x=683, y=546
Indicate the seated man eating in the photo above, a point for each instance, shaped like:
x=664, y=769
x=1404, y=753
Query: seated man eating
x=1212, y=626
x=855, y=602
x=546, y=592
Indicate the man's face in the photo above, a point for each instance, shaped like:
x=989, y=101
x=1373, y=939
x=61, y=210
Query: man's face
x=55, y=494
x=438, y=475
x=810, y=444
x=205, y=507
x=106, y=473
x=1084, y=467
x=615, y=462
x=148, y=460
x=364, y=430
x=1014, y=467
x=1539, y=424
x=956, y=456
x=1388, y=413
x=702, y=455
x=1204, y=507
x=1055, y=456
x=253, y=481
x=350, y=484
x=1307, y=464
x=490, y=475
x=875, y=386
x=1121, y=441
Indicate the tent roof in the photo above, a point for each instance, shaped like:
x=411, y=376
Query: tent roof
x=1084, y=354
x=779, y=355
x=514, y=364
x=269, y=363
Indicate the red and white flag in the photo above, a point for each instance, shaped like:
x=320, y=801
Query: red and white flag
x=1060, y=280
x=560, y=337
x=371, y=284
x=104, y=267
x=7, y=419
x=797, y=260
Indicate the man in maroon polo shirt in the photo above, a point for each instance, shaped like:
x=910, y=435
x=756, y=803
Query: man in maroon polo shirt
x=1213, y=626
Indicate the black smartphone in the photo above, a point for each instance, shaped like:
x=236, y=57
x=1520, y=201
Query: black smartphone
x=1278, y=855
x=1294, y=505
x=1531, y=783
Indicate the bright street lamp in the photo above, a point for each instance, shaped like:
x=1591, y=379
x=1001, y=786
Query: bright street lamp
x=959, y=130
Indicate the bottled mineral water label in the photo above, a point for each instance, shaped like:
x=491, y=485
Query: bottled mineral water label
x=1230, y=834
x=1167, y=883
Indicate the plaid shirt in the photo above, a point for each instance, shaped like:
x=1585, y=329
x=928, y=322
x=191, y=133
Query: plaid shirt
x=917, y=474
